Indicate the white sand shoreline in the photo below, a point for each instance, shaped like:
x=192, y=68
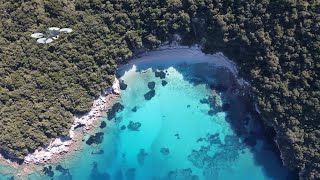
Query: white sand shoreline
x=170, y=55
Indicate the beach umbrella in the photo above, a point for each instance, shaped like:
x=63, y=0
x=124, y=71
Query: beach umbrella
x=37, y=35
x=54, y=28
x=45, y=40
x=66, y=30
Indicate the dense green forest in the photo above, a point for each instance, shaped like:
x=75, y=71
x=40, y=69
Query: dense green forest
x=276, y=44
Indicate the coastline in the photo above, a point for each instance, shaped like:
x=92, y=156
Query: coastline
x=60, y=148
x=177, y=54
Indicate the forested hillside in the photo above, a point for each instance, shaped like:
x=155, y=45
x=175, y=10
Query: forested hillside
x=276, y=44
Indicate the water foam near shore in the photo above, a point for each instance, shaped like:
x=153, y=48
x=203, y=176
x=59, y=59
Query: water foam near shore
x=181, y=115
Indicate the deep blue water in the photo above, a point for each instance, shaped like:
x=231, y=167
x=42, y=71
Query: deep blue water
x=185, y=131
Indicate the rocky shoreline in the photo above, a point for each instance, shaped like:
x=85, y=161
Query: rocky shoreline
x=61, y=147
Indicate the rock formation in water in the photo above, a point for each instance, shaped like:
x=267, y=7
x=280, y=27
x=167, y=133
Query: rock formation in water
x=65, y=173
x=149, y=95
x=95, y=139
x=164, y=82
x=103, y=124
x=199, y=158
x=165, y=151
x=134, y=126
x=122, y=85
x=141, y=156
x=48, y=171
x=160, y=74
x=97, y=151
x=134, y=109
x=151, y=85
x=117, y=107
x=213, y=138
x=123, y=127
x=185, y=174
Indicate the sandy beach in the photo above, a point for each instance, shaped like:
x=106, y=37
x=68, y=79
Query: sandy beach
x=169, y=55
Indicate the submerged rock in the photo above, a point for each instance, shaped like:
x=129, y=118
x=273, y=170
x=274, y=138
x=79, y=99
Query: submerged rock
x=205, y=101
x=213, y=138
x=134, y=126
x=172, y=175
x=122, y=85
x=214, y=101
x=95, y=139
x=200, y=140
x=117, y=107
x=151, y=85
x=164, y=82
x=97, y=152
x=123, y=127
x=211, y=112
x=187, y=174
x=63, y=171
x=165, y=151
x=103, y=124
x=160, y=74
x=134, y=109
x=200, y=158
x=141, y=156
x=149, y=95
x=48, y=171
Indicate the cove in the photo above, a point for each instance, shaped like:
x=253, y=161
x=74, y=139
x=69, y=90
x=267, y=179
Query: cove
x=182, y=115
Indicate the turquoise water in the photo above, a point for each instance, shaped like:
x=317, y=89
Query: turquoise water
x=177, y=137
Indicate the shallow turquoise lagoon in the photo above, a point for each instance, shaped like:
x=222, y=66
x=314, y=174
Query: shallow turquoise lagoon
x=176, y=134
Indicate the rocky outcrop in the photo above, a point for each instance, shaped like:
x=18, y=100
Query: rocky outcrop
x=165, y=151
x=151, y=85
x=149, y=95
x=95, y=139
x=62, y=145
x=117, y=107
x=164, y=82
x=160, y=74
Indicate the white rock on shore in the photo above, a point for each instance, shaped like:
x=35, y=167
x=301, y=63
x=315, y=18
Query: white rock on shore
x=60, y=145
